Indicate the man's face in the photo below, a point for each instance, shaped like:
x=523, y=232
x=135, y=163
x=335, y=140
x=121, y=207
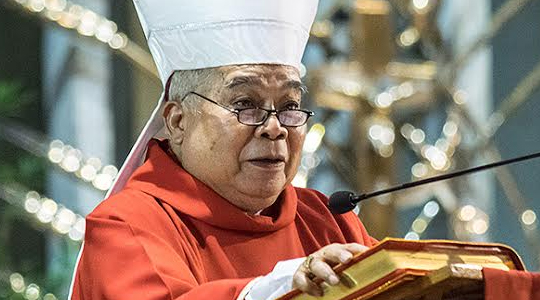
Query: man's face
x=247, y=165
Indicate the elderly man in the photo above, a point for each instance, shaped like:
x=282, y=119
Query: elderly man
x=211, y=213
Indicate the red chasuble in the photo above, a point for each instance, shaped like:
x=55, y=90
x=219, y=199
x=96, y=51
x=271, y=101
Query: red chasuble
x=515, y=285
x=169, y=236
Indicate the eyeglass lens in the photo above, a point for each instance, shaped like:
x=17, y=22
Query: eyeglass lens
x=287, y=117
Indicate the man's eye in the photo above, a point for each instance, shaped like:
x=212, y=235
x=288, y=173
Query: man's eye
x=243, y=103
x=292, y=105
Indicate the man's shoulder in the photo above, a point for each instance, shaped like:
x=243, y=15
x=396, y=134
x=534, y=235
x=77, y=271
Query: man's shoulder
x=315, y=202
x=306, y=194
x=129, y=205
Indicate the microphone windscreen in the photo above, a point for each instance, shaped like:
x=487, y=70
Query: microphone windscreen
x=341, y=202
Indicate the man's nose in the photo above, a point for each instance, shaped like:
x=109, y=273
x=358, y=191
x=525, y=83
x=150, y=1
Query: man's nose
x=272, y=129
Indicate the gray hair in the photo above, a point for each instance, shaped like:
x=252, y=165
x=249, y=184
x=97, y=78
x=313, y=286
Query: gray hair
x=200, y=80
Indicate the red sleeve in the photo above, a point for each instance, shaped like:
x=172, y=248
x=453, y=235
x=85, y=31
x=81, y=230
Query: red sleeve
x=119, y=261
x=517, y=285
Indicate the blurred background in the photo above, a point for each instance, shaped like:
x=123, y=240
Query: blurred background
x=403, y=90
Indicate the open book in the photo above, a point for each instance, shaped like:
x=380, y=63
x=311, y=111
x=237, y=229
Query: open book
x=395, y=262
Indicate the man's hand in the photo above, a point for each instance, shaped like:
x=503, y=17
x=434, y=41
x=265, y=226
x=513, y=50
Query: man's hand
x=319, y=264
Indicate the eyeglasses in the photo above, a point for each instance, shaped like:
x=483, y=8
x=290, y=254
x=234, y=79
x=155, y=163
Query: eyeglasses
x=257, y=116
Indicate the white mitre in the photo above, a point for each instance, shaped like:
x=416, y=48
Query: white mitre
x=195, y=34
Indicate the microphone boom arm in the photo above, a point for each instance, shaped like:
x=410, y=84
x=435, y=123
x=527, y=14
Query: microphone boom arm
x=341, y=202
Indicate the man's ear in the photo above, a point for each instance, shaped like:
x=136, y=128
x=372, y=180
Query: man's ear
x=173, y=117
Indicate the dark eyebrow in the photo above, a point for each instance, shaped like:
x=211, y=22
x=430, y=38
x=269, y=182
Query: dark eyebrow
x=241, y=80
x=297, y=85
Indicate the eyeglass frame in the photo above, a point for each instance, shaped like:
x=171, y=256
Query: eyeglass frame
x=269, y=112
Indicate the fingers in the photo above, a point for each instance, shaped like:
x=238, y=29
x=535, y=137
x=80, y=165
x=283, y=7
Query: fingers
x=302, y=282
x=322, y=270
x=313, y=267
x=355, y=248
x=333, y=254
x=319, y=265
x=339, y=253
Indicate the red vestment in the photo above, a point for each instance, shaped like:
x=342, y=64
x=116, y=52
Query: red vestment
x=169, y=236
x=515, y=285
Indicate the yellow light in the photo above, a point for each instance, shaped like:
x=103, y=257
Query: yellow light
x=419, y=170
x=32, y=292
x=88, y=23
x=420, y=4
x=412, y=236
x=386, y=151
x=419, y=225
x=49, y=297
x=442, y=144
x=417, y=136
x=352, y=89
x=88, y=172
x=105, y=31
x=53, y=15
x=409, y=37
x=387, y=136
x=302, y=71
x=32, y=204
x=64, y=220
x=310, y=161
x=431, y=209
x=103, y=181
x=77, y=231
x=394, y=92
x=433, y=153
x=406, y=130
x=439, y=162
x=72, y=18
x=17, y=282
x=460, y=97
x=70, y=163
x=406, y=89
x=77, y=11
x=56, y=155
x=110, y=170
x=322, y=29
x=47, y=211
x=36, y=5
x=118, y=41
x=95, y=162
x=528, y=217
x=384, y=100
x=33, y=194
x=480, y=226
x=467, y=213
x=436, y=157
x=75, y=235
x=300, y=180
x=314, y=138
x=68, y=20
x=375, y=131
x=56, y=144
x=55, y=5
x=450, y=128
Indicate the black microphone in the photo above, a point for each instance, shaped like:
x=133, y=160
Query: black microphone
x=343, y=201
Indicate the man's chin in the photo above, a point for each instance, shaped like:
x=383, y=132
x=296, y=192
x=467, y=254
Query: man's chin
x=263, y=188
x=264, y=192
